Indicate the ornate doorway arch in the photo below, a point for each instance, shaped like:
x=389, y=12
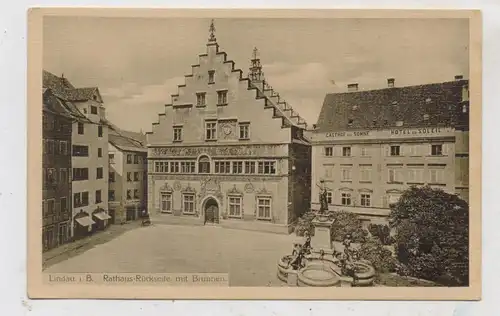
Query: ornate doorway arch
x=211, y=211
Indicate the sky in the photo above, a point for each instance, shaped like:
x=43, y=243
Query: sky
x=137, y=63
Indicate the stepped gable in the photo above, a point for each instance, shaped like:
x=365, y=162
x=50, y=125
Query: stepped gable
x=437, y=104
x=271, y=98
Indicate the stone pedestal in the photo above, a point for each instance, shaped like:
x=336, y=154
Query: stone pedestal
x=292, y=279
x=322, y=235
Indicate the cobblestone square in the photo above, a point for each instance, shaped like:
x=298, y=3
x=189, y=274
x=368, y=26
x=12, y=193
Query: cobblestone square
x=249, y=257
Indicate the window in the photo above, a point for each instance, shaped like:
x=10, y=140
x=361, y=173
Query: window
x=426, y=117
x=267, y=167
x=365, y=174
x=111, y=195
x=328, y=171
x=129, y=159
x=210, y=130
x=63, y=174
x=346, y=199
x=98, y=197
x=187, y=167
x=129, y=176
x=221, y=97
x=365, y=200
x=222, y=167
x=161, y=166
x=136, y=194
x=50, y=144
x=100, y=174
x=136, y=159
x=99, y=131
x=99, y=152
x=111, y=158
x=80, y=151
x=346, y=151
x=234, y=206
x=436, y=176
x=250, y=167
x=237, y=167
x=85, y=198
x=77, y=201
x=395, y=175
x=129, y=194
x=93, y=109
x=64, y=205
x=51, y=206
x=112, y=176
x=174, y=167
x=244, y=131
x=204, y=165
x=346, y=174
x=436, y=150
x=395, y=150
x=201, y=99
x=329, y=197
x=80, y=174
x=263, y=208
x=177, y=134
x=188, y=203
x=136, y=176
x=364, y=151
x=211, y=76
x=166, y=202
x=63, y=147
x=80, y=128
x=329, y=151
x=416, y=175
x=51, y=176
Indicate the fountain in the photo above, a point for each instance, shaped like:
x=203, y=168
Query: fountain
x=315, y=262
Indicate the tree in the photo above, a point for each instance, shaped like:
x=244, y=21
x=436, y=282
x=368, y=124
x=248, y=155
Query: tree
x=382, y=232
x=379, y=257
x=432, y=235
x=346, y=223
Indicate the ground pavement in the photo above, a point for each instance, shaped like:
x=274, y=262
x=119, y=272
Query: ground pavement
x=249, y=257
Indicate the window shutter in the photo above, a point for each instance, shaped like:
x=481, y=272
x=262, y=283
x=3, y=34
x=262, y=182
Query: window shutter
x=387, y=150
x=446, y=149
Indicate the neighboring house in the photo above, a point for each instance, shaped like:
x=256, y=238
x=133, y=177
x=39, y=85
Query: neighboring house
x=127, y=174
x=89, y=151
x=56, y=168
x=369, y=146
x=228, y=151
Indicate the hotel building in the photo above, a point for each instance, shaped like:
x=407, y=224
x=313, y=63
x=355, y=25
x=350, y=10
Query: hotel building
x=89, y=154
x=369, y=146
x=228, y=151
x=127, y=175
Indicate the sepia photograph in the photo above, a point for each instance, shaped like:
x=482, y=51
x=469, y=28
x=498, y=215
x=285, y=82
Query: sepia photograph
x=200, y=154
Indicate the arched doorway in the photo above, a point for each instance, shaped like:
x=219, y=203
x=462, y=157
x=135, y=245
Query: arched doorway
x=211, y=211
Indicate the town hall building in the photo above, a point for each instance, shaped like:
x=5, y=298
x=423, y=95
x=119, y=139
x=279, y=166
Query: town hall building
x=228, y=150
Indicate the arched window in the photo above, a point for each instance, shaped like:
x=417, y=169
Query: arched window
x=204, y=164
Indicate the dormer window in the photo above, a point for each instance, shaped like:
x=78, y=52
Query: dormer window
x=426, y=117
x=93, y=109
x=94, y=97
x=349, y=122
x=399, y=123
x=394, y=103
x=428, y=100
x=211, y=76
x=354, y=107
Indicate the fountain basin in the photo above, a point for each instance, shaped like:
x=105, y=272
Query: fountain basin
x=365, y=274
x=284, y=268
x=316, y=274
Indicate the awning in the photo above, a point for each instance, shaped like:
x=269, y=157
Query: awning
x=102, y=216
x=85, y=221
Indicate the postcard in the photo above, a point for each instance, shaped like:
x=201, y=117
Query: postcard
x=254, y=154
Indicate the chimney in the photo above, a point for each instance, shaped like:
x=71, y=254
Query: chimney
x=352, y=87
x=459, y=77
x=390, y=82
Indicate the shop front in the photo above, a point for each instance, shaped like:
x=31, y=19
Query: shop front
x=82, y=225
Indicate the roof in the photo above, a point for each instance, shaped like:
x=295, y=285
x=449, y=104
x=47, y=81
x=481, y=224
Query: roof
x=437, y=104
x=64, y=89
x=51, y=101
x=125, y=140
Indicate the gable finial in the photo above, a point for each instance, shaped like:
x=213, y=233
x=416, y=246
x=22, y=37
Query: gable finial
x=255, y=51
x=212, y=32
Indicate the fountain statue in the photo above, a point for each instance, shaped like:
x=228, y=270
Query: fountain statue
x=315, y=262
